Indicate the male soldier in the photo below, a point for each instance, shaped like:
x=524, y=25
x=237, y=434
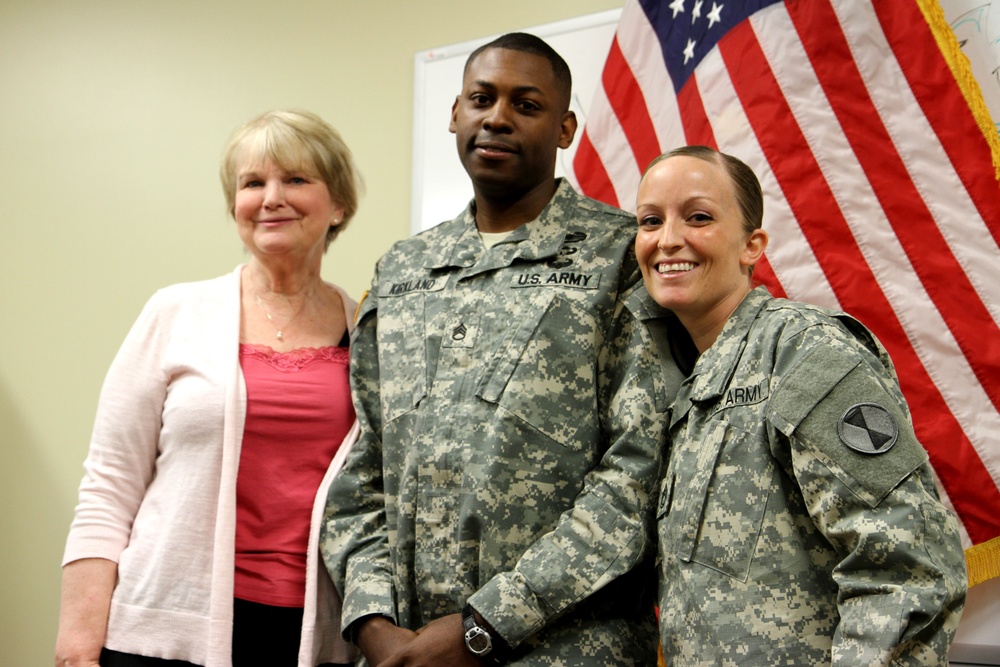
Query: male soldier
x=496, y=507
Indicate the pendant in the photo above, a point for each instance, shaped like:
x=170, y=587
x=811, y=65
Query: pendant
x=281, y=336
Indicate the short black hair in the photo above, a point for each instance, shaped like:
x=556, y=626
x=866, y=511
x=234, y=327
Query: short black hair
x=522, y=41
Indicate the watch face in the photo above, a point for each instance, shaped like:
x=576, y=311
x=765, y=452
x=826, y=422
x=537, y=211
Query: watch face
x=478, y=641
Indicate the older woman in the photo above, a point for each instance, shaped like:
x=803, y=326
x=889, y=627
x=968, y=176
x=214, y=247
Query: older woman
x=222, y=420
x=798, y=520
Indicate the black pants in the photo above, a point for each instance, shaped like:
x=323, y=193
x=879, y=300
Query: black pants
x=262, y=635
x=111, y=658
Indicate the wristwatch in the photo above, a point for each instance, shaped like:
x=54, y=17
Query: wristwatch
x=477, y=638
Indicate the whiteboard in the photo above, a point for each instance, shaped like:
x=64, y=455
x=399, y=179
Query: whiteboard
x=441, y=188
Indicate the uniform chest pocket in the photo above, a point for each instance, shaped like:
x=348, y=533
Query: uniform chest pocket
x=544, y=371
x=402, y=355
x=719, y=479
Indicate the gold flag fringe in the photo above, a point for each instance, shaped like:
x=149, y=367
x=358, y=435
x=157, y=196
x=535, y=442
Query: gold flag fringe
x=962, y=71
x=983, y=561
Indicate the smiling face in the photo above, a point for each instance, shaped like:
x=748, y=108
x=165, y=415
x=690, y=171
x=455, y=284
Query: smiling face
x=509, y=122
x=282, y=212
x=692, y=244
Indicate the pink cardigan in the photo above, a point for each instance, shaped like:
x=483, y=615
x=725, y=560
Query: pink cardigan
x=158, y=494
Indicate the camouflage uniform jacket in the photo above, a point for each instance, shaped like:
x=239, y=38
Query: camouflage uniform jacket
x=511, y=441
x=780, y=544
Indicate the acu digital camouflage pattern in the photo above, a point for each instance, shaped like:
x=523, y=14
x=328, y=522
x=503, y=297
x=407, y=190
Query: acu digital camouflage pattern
x=781, y=545
x=511, y=440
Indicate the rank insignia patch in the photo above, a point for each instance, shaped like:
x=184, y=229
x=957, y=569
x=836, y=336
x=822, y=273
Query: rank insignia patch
x=868, y=428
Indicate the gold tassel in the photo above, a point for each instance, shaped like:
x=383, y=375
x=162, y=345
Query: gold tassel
x=983, y=561
x=962, y=71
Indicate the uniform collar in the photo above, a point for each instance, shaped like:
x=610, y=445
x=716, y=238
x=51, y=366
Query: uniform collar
x=643, y=306
x=716, y=365
x=534, y=240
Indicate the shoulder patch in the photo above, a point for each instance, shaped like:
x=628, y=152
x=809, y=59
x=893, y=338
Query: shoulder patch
x=868, y=428
x=837, y=404
x=367, y=304
x=357, y=311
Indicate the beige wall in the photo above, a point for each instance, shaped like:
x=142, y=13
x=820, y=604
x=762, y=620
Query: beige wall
x=112, y=118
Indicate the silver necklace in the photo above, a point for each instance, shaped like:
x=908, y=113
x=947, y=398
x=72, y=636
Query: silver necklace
x=280, y=330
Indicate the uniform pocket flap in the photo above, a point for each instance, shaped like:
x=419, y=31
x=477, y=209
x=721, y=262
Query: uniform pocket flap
x=795, y=396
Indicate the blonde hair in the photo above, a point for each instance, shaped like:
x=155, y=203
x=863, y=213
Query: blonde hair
x=294, y=140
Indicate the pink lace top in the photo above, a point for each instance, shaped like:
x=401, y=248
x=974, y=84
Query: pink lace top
x=298, y=412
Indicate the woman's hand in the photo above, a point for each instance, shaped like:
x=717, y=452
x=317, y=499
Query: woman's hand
x=87, y=585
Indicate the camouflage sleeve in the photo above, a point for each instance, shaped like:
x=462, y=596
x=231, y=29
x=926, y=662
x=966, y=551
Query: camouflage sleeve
x=353, y=538
x=608, y=530
x=868, y=489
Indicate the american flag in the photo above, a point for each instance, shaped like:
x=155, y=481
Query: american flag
x=879, y=165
